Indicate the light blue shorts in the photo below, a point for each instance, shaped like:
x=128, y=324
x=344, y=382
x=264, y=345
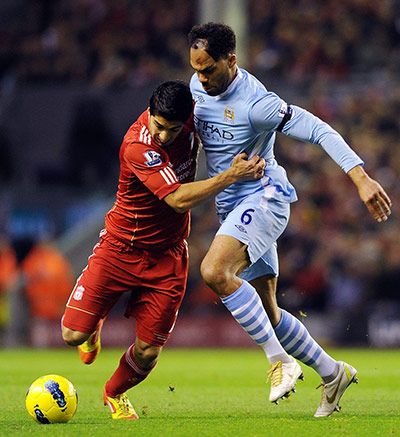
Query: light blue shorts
x=257, y=222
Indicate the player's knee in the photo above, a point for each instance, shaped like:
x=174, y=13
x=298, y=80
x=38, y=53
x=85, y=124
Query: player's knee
x=213, y=276
x=146, y=354
x=73, y=338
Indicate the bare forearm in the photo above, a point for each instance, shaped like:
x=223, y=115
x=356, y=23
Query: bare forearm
x=357, y=174
x=192, y=193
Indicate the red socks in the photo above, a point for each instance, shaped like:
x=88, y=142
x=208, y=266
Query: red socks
x=128, y=374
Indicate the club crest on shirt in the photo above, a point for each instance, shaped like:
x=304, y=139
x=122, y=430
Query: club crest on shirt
x=229, y=115
x=152, y=158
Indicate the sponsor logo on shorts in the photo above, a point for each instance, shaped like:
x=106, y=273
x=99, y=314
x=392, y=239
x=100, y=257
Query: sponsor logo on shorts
x=79, y=292
x=160, y=337
x=241, y=228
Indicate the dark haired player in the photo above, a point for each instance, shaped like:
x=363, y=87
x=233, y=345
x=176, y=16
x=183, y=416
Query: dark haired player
x=143, y=247
x=235, y=113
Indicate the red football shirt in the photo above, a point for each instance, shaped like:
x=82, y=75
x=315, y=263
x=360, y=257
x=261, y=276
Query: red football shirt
x=148, y=173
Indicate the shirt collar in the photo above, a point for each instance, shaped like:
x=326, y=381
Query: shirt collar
x=232, y=85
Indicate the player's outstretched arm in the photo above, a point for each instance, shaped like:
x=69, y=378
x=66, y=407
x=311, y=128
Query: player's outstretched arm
x=371, y=193
x=192, y=193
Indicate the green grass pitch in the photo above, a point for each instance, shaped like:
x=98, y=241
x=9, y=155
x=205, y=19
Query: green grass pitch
x=204, y=393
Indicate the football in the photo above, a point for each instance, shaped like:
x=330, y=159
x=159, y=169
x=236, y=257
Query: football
x=51, y=399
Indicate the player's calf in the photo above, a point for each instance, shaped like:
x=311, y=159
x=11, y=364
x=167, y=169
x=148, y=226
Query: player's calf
x=74, y=338
x=89, y=349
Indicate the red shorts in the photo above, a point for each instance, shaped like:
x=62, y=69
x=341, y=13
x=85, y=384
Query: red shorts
x=156, y=280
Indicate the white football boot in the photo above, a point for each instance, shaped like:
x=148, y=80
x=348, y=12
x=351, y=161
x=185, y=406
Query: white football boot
x=333, y=391
x=283, y=378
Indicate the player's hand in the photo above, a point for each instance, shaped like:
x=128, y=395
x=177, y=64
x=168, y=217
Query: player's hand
x=372, y=194
x=248, y=169
x=376, y=200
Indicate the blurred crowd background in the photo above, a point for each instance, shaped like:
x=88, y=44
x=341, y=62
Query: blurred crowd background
x=74, y=74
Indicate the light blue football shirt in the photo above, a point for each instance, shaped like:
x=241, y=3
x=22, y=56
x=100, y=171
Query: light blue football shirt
x=244, y=119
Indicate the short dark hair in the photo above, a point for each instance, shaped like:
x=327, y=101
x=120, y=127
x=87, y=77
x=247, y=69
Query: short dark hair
x=172, y=100
x=221, y=39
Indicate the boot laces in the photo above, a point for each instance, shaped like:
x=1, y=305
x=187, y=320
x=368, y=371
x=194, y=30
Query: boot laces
x=275, y=373
x=124, y=403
